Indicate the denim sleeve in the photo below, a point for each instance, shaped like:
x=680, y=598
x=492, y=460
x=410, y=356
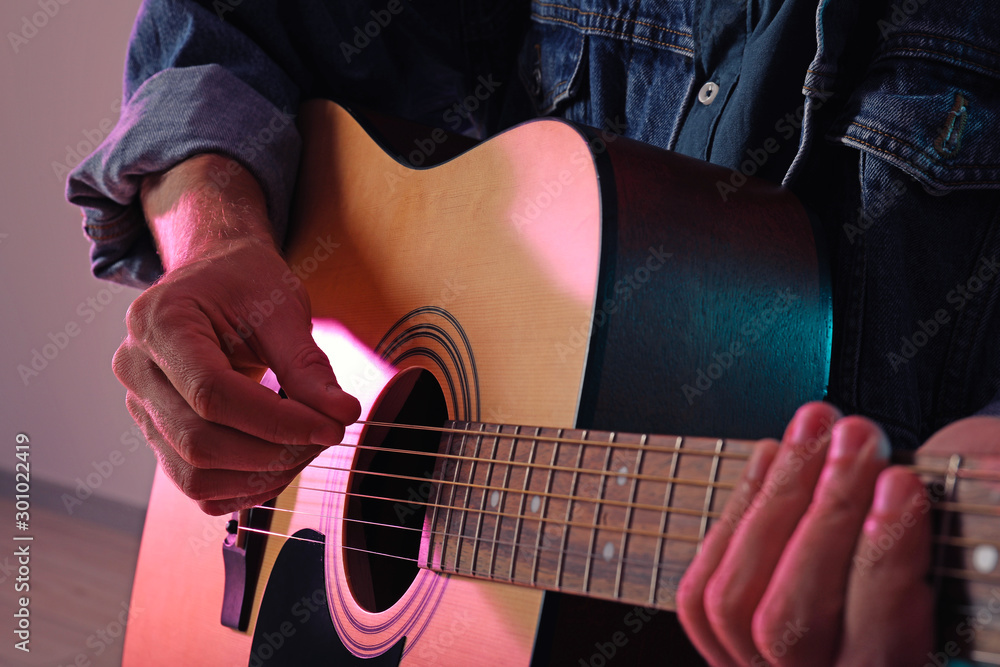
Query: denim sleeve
x=193, y=84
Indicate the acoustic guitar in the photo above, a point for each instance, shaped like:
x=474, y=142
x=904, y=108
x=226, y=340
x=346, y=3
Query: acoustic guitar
x=518, y=321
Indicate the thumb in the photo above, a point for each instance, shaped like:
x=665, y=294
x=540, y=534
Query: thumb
x=305, y=373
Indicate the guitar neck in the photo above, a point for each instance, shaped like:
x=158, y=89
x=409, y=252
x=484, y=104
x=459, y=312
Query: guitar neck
x=620, y=516
x=607, y=515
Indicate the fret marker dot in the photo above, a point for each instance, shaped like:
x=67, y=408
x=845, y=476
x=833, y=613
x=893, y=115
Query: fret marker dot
x=984, y=558
x=609, y=551
x=536, y=503
x=494, y=499
x=621, y=475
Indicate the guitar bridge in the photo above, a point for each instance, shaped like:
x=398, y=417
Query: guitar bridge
x=242, y=554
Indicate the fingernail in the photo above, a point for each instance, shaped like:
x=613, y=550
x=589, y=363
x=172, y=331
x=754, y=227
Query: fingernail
x=891, y=494
x=799, y=429
x=852, y=440
x=811, y=423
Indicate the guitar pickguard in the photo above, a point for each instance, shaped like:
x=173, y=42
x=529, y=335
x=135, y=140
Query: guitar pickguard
x=294, y=626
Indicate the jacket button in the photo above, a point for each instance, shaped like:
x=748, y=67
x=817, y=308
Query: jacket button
x=708, y=92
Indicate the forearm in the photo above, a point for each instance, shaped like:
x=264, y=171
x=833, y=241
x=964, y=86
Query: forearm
x=201, y=208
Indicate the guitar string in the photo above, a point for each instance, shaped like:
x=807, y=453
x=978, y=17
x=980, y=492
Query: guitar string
x=445, y=534
x=541, y=494
x=499, y=515
x=502, y=515
x=956, y=575
x=562, y=439
x=948, y=506
x=963, y=473
x=955, y=507
x=950, y=541
x=514, y=437
x=534, y=464
x=523, y=547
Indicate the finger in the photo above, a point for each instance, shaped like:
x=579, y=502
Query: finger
x=203, y=485
x=304, y=370
x=229, y=505
x=798, y=621
x=889, y=598
x=203, y=444
x=202, y=374
x=690, y=595
x=735, y=590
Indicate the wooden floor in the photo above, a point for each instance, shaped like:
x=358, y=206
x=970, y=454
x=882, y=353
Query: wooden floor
x=81, y=577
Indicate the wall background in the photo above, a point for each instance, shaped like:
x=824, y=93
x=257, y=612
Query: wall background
x=61, y=91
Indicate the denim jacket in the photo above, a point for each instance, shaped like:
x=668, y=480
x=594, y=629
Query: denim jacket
x=883, y=119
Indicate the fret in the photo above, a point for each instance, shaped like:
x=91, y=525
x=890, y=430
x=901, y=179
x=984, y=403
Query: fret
x=709, y=490
x=520, y=510
x=451, y=506
x=488, y=482
x=502, y=502
x=950, y=482
x=597, y=514
x=628, y=516
x=569, y=511
x=433, y=523
x=544, y=510
x=667, y=500
x=473, y=469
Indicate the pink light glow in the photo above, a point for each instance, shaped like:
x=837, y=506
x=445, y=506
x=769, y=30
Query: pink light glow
x=359, y=371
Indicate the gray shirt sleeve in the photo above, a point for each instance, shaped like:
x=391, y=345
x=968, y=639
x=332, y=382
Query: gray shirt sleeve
x=193, y=84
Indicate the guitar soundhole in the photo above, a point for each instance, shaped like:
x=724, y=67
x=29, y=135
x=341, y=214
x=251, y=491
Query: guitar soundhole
x=389, y=490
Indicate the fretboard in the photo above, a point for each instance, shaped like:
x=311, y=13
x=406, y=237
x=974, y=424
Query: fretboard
x=608, y=515
x=620, y=516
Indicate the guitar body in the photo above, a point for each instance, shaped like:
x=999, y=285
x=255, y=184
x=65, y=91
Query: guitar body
x=546, y=277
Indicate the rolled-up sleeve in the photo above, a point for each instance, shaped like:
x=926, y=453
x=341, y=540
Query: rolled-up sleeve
x=193, y=84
